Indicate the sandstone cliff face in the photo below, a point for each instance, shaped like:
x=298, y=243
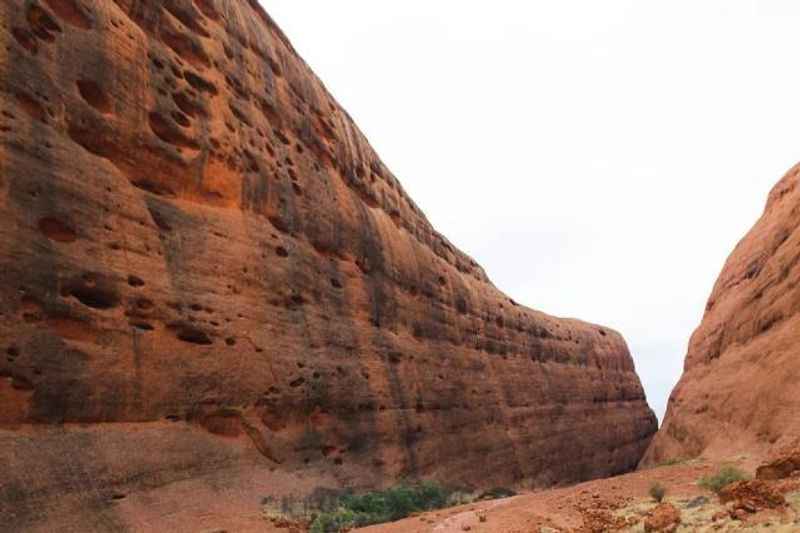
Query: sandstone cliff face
x=738, y=393
x=214, y=291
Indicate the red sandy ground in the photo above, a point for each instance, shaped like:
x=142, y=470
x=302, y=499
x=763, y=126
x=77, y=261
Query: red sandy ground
x=557, y=508
x=564, y=509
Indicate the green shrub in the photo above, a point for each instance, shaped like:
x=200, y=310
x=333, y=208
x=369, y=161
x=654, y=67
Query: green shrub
x=378, y=507
x=658, y=491
x=334, y=521
x=724, y=477
x=672, y=462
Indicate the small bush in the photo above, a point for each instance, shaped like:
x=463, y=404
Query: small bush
x=460, y=497
x=497, y=493
x=724, y=477
x=658, y=491
x=378, y=507
x=672, y=462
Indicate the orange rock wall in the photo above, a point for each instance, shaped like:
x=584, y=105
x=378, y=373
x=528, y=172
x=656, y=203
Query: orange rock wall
x=738, y=393
x=213, y=290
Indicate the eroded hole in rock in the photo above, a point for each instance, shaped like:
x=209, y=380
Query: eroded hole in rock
x=328, y=450
x=117, y=497
x=186, y=47
x=94, y=95
x=153, y=187
x=135, y=281
x=230, y=341
x=281, y=137
x=57, y=230
x=770, y=322
x=160, y=220
x=168, y=132
x=274, y=66
x=181, y=119
x=281, y=251
x=225, y=422
x=71, y=12
x=753, y=271
x=188, y=105
x=95, y=297
x=25, y=39
x=297, y=382
x=42, y=24
x=199, y=83
x=192, y=334
x=239, y=114
x=188, y=17
x=142, y=326
x=335, y=283
x=144, y=304
x=92, y=290
x=21, y=383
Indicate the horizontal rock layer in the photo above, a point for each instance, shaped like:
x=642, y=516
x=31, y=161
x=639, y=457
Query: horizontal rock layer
x=214, y=291
x=738, y=393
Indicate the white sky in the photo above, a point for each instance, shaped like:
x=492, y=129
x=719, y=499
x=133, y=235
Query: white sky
x=599, y=159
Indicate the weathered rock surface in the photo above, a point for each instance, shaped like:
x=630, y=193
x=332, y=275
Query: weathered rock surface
x=738, y=393
x=664, y=517
x=213, y=291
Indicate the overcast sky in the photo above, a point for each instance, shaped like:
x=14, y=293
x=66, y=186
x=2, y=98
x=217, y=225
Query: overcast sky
x=599, y=159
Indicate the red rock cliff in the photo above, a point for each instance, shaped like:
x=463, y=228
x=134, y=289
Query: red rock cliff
x=738, y=393
x=214, y=291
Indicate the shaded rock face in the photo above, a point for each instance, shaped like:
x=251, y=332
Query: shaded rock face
x=214, y=291
x=738, y=393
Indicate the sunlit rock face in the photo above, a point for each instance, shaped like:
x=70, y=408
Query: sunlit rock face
x=213, y=291
x=738, y=393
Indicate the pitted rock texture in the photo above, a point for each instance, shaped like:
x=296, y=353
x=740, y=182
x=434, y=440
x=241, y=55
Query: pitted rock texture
x=738, y=393
x=214, y=291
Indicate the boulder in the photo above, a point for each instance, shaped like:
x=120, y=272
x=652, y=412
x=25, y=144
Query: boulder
x=664, y=517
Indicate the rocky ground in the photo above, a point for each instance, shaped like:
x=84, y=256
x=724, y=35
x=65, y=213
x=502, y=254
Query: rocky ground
x=623, y=504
